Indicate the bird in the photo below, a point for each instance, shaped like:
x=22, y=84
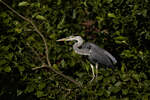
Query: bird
x=95, y=54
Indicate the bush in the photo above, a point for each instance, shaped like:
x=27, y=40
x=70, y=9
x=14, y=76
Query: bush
x=121, y=27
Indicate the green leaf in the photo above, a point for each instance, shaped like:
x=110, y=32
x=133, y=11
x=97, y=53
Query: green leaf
x=21, y=68
x=36, y=4
x=42, y=85
x=39, y=94
x=109, y=1
x=3, y=14
x=111, y=15
x=123, y=67
x=118, y=84
x=24, y=3
x=107, y=93
x=62, y=63
x=40, y=17
x=118, y=42
x=19, y=92
x=86, y=65
x=143, y=75
x=124, y=91
x=121, y=38
x=53, y=36
x=100, y=19
x=2, y=62
x=136, y=77
x=116, y=89
x=124, y=77
x=30, y=38
x=18, y=30
x=7, y=69
x=144, y=12
x=101, y=92
x=100, y=77
x=59, y=2
x=74, y=14
x=29, y=89
x=116, y=33
x=55, y=66
x=80, y=75
x=60, y=25
x=126, y=98
x=9, y=56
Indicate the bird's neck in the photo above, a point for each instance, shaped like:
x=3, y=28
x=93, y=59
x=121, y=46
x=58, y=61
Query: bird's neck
x=80, y=51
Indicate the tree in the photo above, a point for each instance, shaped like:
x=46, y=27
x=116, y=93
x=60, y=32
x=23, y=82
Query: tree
x=34, y=66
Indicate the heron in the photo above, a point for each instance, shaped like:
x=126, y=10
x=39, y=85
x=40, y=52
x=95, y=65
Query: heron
x=95, y=54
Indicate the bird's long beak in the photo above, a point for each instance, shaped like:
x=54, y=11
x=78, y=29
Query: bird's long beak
x=63, y=39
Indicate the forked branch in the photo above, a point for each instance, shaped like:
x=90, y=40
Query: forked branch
x=45, y=43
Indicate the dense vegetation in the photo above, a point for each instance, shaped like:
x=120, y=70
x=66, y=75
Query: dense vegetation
x=120, y=26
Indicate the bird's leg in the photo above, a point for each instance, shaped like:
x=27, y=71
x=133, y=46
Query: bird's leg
x=96, y=70
x=92, y=73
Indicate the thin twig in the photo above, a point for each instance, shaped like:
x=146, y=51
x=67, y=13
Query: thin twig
x=36, y=68
x=41, y=67
x=45, y=43
x=34, y=26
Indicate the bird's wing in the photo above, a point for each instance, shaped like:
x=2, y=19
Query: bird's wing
x=111, y=57
x=99, y=55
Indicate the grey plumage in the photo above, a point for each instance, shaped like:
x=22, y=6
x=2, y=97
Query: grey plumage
x=95, y=54
x=99, y=55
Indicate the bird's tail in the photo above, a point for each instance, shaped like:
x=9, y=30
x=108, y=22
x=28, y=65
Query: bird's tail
x=111, y=57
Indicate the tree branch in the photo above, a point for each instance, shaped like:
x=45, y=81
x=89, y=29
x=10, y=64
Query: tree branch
x=45, y=43
x=41, y=67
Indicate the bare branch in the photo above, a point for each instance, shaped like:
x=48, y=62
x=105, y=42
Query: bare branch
x=43, y=66
x=36, y=29
x=45, y=43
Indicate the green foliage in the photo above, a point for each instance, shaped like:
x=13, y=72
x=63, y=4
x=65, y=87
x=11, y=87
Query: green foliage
x=119, y=26
x=23, y=3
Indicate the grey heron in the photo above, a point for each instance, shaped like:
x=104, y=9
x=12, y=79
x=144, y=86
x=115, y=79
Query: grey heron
x=95, y=54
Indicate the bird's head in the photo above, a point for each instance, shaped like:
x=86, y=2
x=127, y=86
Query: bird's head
x=70, y=38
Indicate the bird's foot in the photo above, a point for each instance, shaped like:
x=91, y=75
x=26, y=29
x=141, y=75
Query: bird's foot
x=96, y=71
